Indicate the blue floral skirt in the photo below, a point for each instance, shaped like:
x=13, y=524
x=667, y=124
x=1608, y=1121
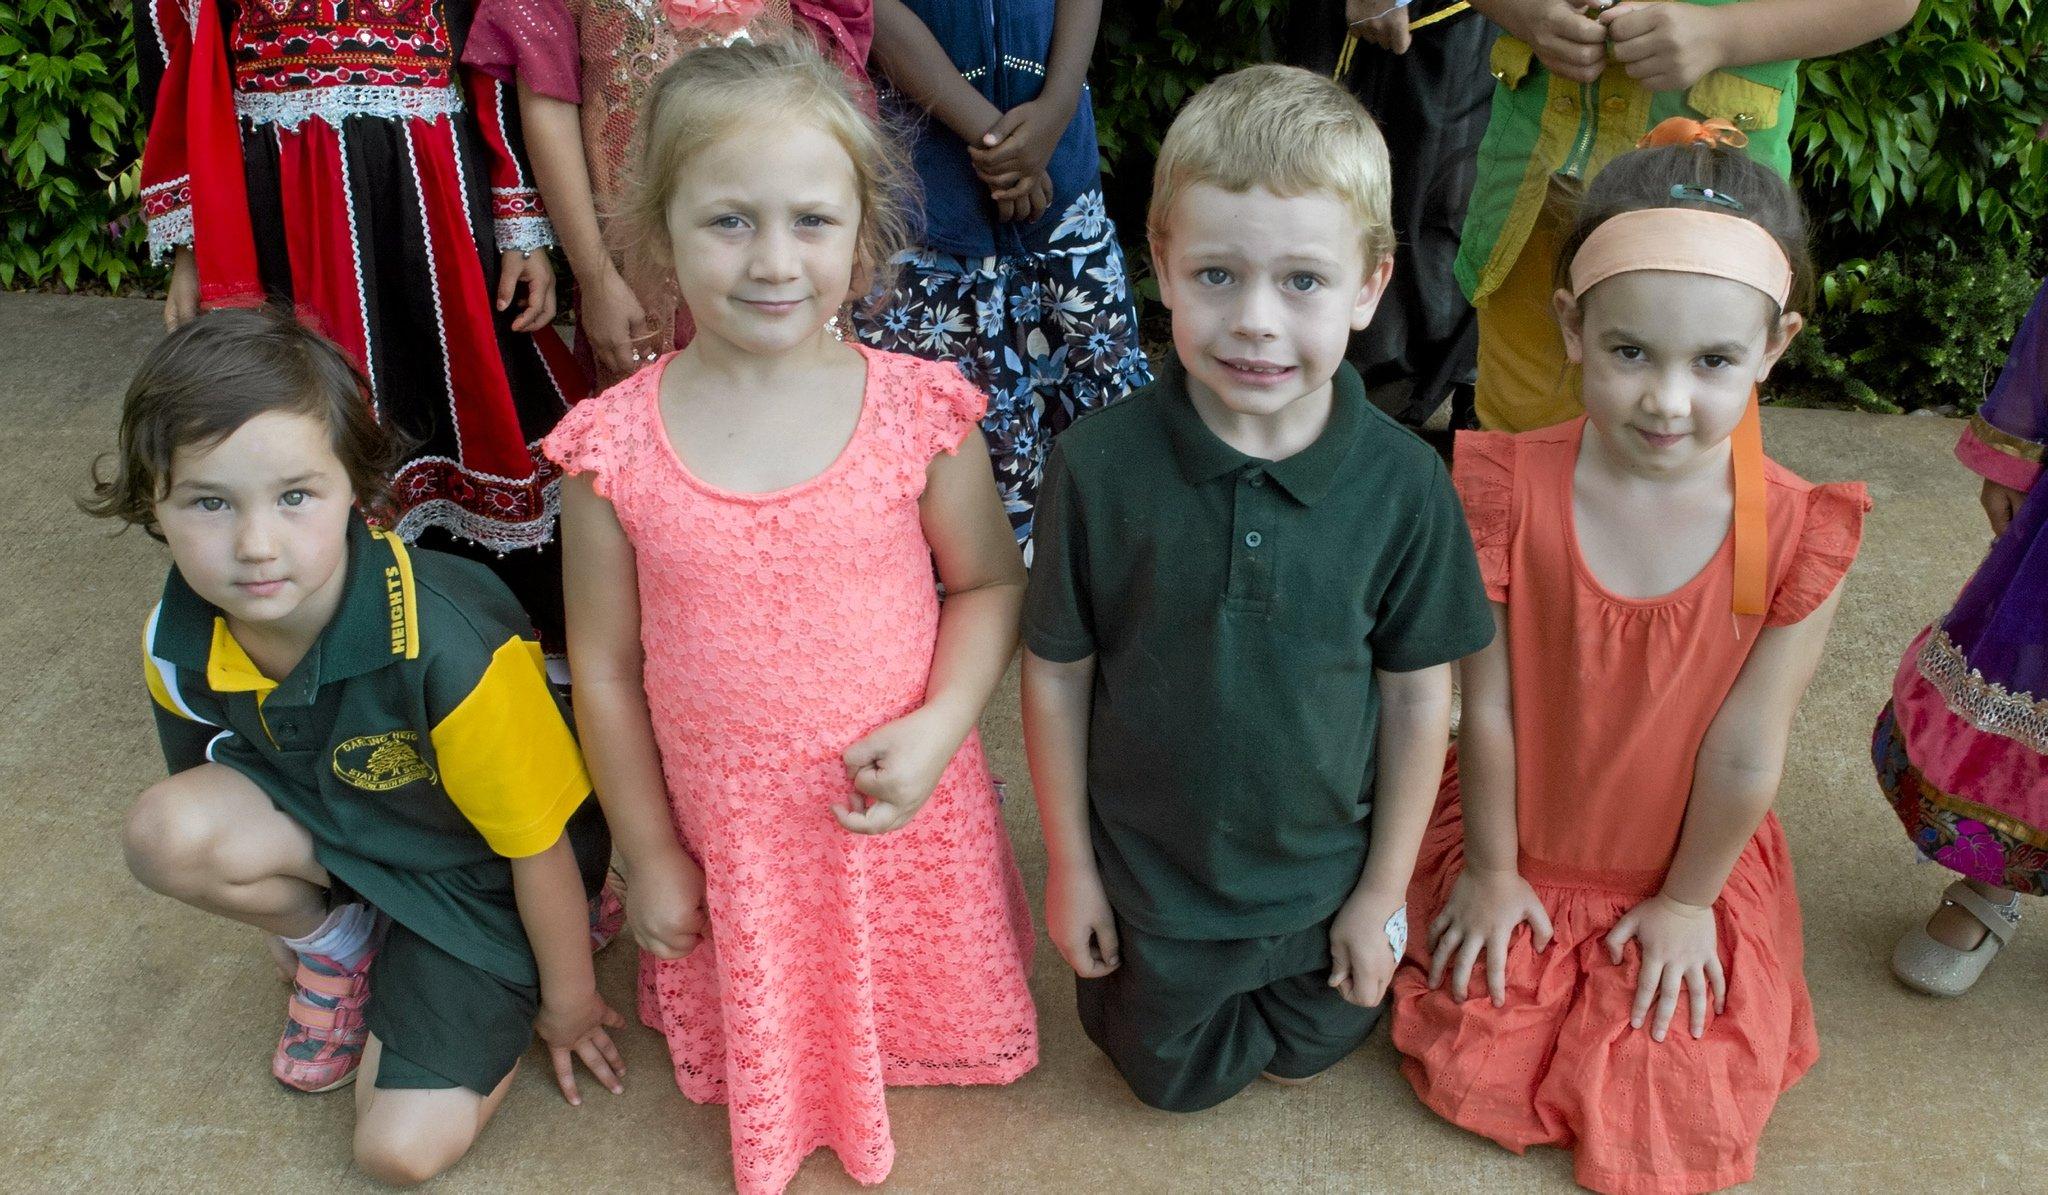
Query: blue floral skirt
x=1050, y=335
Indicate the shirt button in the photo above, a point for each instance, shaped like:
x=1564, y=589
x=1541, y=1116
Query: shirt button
x=1563, y=103
x=287, y=728
x=1253, y=539
x=1258, y=479
x=1614, y=103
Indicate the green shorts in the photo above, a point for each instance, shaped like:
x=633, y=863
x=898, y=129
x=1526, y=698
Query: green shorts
x=1191, y=1023
x=443, y=1022
x=447, y=1023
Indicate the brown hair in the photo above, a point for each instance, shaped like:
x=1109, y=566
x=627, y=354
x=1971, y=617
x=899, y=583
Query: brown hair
x=1695, y=176
x=713, y=90
x=1285, y=129
x=214, y=374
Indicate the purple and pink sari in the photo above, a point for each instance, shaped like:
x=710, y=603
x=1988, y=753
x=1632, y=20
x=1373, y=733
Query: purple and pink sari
x=1962, y=748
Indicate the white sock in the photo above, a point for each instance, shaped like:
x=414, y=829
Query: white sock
x=343, y=937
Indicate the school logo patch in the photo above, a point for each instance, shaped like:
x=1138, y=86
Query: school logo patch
x=381, y=762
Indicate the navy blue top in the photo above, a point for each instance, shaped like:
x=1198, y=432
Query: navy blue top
x=1000, y=47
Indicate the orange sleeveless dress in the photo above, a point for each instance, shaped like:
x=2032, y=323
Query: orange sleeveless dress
x=1612, y=697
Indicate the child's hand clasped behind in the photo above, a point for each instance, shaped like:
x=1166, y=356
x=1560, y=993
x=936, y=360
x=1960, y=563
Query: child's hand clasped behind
x=1481, y=916
x=579, y=1029
x=1679, y=949
x=894, y=770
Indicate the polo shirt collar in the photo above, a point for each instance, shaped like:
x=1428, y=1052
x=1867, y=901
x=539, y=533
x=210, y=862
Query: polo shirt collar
x=1306, y=476
x=376, y=624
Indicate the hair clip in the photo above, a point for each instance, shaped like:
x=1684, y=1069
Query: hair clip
x=1705, y=195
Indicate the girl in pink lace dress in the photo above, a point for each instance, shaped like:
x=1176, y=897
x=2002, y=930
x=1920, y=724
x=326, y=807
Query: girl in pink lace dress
x=777, y=710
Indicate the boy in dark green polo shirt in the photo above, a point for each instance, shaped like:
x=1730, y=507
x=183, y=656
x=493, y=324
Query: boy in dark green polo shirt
x=362, y=742
x=1248, y=588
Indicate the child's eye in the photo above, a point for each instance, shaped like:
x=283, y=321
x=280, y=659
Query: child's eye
x=1628, y=352
x=815, y=221
x=294, y=497
x=210, y=505
x=1302, y=284
x=1213, y=276
x=728, y=221
x=1715, y=361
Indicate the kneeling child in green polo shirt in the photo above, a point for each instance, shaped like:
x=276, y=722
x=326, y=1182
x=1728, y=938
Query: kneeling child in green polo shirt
x=1248, y=587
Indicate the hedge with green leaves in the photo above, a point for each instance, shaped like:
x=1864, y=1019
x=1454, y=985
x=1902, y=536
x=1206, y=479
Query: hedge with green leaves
x=1920, y=160
x=70, y=144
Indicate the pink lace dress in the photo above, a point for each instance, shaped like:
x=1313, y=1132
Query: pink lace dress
x=779, y=628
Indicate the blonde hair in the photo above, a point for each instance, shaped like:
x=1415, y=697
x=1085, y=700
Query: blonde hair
x=1285, y=129
x=713, y=90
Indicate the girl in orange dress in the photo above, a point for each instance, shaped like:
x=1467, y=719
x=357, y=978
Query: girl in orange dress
x=1662, y=592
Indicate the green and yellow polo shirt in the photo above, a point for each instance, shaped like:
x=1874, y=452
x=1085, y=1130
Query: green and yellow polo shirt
x=1237, y=610
x=418, y=741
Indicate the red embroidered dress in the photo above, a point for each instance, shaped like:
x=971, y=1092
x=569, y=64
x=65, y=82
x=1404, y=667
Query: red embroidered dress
x=331, y=154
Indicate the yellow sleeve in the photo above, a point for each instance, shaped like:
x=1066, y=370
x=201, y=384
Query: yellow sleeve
x=507, y=758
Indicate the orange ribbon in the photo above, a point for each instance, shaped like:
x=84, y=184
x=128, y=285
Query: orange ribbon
x=1684, y=130
x=1752, y=547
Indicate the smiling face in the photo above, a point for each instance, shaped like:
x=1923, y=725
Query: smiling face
x=765, y=225
x=1265, y=292
x=1669, y=360
x=258, y=523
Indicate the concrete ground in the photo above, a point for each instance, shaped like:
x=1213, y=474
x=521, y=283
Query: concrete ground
x=135, y=1033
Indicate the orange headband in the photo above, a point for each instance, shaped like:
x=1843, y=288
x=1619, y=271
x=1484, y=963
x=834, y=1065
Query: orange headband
x=1686, y=240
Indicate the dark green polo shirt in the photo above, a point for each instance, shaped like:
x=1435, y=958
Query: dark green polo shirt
x=1236, y=609
x=418, y=741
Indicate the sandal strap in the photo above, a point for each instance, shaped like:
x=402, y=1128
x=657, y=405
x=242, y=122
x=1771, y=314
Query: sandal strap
x=2001, y=920
x=312, y=1016
x=334, y=987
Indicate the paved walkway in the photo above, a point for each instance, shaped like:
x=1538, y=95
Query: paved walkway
x=135, y=1033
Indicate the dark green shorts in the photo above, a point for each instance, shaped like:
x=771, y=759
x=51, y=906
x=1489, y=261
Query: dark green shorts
x=443, y=1022
x=1192, y=1023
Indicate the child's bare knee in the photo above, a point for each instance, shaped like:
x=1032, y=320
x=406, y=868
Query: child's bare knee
x=413, y=1145
x=406, y=1157
x=168, y=839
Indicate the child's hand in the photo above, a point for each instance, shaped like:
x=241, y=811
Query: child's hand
x=2001, y=503
x=181, y=294
x=1362, y=960
x=1023, y=201
x=1679, y=949
x=576, y=1028
x=665, y=906
x=1374, y=21
x=616, y=323
x=893, y=772
x=534, y=269
x=1572, y=44
x=1481, y=915
x=1020, y=144
x=1080, y=922
x=1665, y=47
